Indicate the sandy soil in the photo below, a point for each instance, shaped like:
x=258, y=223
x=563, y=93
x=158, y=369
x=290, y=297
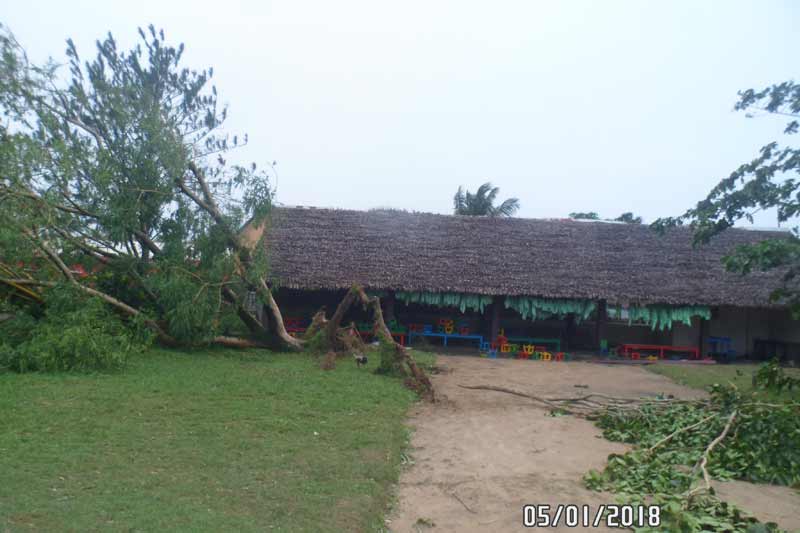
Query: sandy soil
x=479, y=456
x=768, y=503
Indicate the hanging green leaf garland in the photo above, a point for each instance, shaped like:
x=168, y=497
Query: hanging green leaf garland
x=462, y=301
x=543, y=308
x=661, y=317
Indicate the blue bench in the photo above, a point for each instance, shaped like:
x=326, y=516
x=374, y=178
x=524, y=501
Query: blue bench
x=445, y=337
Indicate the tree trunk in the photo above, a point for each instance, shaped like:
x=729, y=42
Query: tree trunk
x=236, y=342
x=318, y=321
x=332, y=327
x=418, y=379
x=276, y=318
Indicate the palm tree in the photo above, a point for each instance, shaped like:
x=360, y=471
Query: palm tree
x=482, y=202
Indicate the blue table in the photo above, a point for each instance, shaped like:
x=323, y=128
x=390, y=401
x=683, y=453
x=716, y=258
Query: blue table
x=444, y=337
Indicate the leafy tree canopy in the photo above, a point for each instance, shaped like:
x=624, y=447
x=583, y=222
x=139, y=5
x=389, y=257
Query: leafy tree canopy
x=768, y=181
x=628, y=217
x=118, y=169
x=591, y=215
x=481, y=203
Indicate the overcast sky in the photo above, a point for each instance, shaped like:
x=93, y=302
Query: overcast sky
x=605, y=106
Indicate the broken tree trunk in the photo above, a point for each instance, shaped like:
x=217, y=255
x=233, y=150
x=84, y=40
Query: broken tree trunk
x=276, y=322
x=336, y=338
x=333, y=325
x=417, y=379
x=318, y=322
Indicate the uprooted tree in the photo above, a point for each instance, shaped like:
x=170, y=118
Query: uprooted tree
x=115, y=184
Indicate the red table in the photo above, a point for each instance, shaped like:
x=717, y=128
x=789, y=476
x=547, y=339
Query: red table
x=628, y=349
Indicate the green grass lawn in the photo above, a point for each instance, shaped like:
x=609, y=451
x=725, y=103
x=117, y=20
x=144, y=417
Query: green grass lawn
x=205, y=441
x=703, y=376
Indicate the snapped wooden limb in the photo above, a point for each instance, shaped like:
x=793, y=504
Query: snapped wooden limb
x=537, y=399
x=318, y=322
x=589, y=405
x=677, y=432
x=703, y=463
x=417, y=378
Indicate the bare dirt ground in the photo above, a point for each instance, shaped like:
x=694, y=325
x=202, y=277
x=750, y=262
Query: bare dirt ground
x=479, y=456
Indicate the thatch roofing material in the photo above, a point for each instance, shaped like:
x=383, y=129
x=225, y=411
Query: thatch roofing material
x=332, y=249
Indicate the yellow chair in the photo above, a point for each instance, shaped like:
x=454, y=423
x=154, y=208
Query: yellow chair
x=547, y=356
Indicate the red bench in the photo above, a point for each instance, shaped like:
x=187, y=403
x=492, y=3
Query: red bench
x=628, y=349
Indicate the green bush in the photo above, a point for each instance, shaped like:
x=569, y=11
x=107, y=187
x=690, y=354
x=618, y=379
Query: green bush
x=75, y=334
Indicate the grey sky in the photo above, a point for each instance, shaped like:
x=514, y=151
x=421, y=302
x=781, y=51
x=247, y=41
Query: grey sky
x=571, y=106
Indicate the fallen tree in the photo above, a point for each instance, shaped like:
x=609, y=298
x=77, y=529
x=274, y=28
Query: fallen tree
x=116, y=184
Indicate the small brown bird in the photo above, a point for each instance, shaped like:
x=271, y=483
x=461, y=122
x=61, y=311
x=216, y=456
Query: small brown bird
x=361, y=359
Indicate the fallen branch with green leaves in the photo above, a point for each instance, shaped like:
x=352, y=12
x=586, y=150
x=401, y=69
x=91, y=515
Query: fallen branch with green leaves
x=680, y=445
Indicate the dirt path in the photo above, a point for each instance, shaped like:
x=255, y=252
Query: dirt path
x=479, y=456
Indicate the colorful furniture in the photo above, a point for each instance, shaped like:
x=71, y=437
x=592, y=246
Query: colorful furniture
x=721, y=348
x=445, y=337
x=627, y=350
x=556, y=343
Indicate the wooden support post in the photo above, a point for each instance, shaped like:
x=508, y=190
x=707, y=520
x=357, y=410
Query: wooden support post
x=570, y=332
x=701, y=336
x=600, y=324
x=388, y=306
x=746, y=331
x=495, y=329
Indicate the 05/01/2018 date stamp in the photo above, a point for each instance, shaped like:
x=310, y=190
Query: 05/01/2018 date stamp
x=613, y=516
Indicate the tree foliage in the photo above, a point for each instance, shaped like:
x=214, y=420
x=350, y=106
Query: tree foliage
x=76, y=333
x=482, y=202
x=580, y=215
x=627, y=217
x=114, y=185
x=114, y=181
x=768, y=181
x=740, y=436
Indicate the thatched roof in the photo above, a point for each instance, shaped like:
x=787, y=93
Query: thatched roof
x=623, y=263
